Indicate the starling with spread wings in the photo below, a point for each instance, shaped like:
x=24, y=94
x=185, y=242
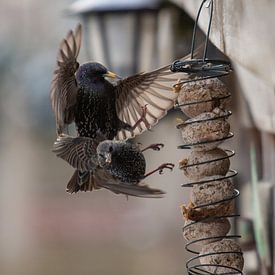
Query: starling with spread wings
x=115, y=165
x=83, y=95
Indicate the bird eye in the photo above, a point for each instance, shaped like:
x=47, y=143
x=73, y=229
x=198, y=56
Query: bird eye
x=111, y=149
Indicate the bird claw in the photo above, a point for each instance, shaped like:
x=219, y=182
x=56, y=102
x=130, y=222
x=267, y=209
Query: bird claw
x=161, y=168
x=157, y=146
x=166, y=166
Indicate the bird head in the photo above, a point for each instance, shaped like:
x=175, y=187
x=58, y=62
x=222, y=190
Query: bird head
x=94, y=72
x=105, y=151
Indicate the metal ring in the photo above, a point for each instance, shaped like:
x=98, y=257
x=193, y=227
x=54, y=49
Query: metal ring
x=226, y=115
x=191, y=270
x=187, y=246
x=234, y=196
x=207, y=219
x=199, y=267
x=201, y=67
x=231, y=154
x=177, y=105
x=190, y=145
x=231, y=173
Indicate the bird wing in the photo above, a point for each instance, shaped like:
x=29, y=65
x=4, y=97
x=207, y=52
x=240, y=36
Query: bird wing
x=105, y=180
x=64, y=87
x=154, y=89
x=79, y=152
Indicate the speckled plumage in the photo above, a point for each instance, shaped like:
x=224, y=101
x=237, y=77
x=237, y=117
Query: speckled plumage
x=95, y=106
x=127, y=161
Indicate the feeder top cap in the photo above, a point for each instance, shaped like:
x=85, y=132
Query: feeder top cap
x=97, y=6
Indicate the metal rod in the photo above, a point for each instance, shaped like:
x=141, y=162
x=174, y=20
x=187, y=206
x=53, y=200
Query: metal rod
x=208, y=31
x=195, y=29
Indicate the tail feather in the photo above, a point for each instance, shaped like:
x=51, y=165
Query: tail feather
x=142, y=191
x=81, y=181
x=88, y=181
x=105, y=180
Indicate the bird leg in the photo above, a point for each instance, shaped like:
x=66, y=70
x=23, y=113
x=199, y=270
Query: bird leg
x=142, y=119
x=155, y=147
x=160, y=169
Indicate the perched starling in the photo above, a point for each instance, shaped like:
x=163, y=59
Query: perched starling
x=122, y=110
x=116, y=165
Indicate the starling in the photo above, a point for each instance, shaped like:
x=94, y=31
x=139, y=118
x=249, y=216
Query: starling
x=125, y=160
x=116, y=165
x=83, y=95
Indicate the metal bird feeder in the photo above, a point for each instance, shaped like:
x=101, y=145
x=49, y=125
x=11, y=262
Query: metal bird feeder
x=121, y=34
x=200, y=215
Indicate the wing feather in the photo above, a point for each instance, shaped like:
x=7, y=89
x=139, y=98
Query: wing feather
x=79, y=152
x=64, y=87
x=135, y=92
x=104, y=179
x=155, y=89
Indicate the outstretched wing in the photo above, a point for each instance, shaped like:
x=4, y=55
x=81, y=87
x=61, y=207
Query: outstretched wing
x=64, y=87
x=79, y=152
x=154, y=89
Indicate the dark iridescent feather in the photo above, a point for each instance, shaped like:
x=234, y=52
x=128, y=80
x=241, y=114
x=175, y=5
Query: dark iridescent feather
x=95, y=108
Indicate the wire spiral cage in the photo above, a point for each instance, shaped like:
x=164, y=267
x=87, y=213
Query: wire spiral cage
x=219, y=209
x=208, y=212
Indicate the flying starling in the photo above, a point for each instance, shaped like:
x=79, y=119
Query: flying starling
x=116, y=165
x=83, y=95
x=125, y=160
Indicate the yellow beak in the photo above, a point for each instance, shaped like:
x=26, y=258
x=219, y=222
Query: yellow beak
x=111, y=75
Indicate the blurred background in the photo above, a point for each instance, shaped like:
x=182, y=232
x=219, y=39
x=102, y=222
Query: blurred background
x=44, y=230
